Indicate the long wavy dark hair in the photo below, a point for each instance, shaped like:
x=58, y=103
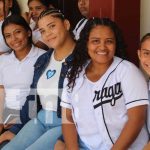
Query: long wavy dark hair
x=80, y=54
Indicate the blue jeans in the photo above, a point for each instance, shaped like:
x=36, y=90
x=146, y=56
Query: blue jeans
x=81, y=144
x=39, y=133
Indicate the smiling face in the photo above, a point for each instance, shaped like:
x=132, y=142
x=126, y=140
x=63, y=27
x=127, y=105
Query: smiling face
x=101, y=45
x=144, y=55
x=16, y=37
x=35, y=9
x=83, y=6
x=53, y=30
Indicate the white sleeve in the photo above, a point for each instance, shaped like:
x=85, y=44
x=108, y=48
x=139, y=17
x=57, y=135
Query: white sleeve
x=134, y=87
x=1, y=80
x=36, y=36
x=1, y=68
x=66, y=96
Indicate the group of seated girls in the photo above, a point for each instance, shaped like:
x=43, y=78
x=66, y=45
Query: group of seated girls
x=79, y=95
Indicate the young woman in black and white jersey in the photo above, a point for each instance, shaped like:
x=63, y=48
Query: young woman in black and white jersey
x=112, y=113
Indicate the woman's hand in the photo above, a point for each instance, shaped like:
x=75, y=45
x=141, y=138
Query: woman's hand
x=6, y=136
x=147, y=147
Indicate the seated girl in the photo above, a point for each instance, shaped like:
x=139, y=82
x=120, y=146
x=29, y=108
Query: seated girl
x=144, y=57
x=42, y=131
x=105, y=97
x=16, y=70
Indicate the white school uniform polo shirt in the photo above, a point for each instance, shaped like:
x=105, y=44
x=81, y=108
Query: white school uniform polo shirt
x=16, y=76
x=100, y=108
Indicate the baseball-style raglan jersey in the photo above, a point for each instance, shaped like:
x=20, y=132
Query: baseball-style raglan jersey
x=100, y=108
x=148, y=111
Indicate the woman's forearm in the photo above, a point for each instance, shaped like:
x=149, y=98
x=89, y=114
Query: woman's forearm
x=69, y=130
x=131, y=129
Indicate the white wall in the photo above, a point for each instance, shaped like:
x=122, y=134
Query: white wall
x=23, y=5
x=145, y=17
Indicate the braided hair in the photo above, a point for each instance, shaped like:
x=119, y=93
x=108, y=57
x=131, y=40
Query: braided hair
x=52, y=11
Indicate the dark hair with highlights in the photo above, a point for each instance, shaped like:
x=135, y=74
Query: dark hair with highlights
x=54, y=12
x=80, y=54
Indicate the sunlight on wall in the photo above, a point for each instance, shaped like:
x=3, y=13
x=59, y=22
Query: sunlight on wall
x=23, y=5
x=145, y=17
